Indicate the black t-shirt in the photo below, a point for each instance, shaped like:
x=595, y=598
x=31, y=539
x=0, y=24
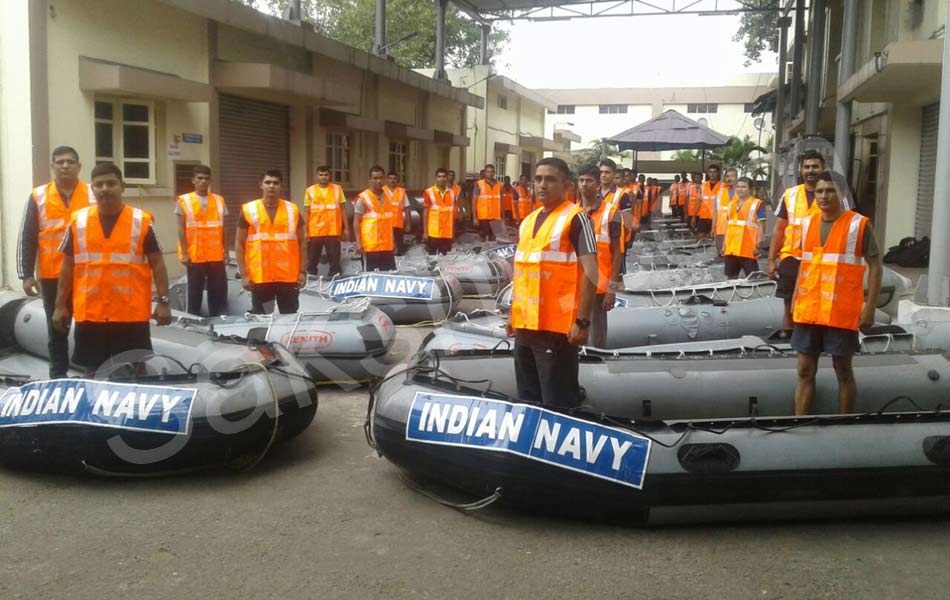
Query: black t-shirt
x=783, y=210
x=108, y=224
x=581, y=233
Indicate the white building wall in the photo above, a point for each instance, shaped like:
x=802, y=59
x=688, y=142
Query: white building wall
x=590, y=125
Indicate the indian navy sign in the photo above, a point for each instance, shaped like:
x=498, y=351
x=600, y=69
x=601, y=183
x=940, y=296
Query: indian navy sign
x=532, y=432
x=507, y=251
x=383, y=286
x=98, y=403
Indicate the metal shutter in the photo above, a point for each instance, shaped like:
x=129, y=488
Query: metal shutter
x=927, y=171
x=254, y=136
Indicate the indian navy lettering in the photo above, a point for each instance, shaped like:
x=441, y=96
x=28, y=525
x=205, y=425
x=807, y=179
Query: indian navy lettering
x=99, y=403
x=383, y=286
x=532, y=432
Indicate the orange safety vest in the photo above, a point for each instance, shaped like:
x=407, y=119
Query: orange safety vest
x=708, y=205
x=508, y=200
x=397, y=199
x=457, y=195
x=831, y=277
x=613, y=198
x=441, y=207
x=376, y=227
x=525, y=205
x=693, y=199
x=601, y=219
x=742, y=228
x=547, y=280
x=204, y=228
x=796, y=205
x=112, y=280
x=674, y=194
x=324, y=210
x=53, y=216
x=272, y=250
x=488, y=203
x=722, y=210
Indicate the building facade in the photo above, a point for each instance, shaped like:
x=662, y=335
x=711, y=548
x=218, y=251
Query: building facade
x=158, y=86
x=599, y=113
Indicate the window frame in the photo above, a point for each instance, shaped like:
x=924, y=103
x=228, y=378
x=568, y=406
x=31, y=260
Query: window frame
x=566, y=109
x=338, y=174
x=400, y=157
x=502, y=101
x=118, y=123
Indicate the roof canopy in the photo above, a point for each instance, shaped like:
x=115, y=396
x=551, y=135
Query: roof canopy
x=669, y=131
x=541, y=10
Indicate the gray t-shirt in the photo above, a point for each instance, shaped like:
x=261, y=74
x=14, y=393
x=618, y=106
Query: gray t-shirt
x=869, y=246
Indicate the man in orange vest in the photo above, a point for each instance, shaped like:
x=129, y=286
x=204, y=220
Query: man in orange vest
x=796, y=206
x=201, y=243
x=829, y=306
x=705, y=212
x=745, y=230
x=456, y=194
x=524, y=204
x=508, y=199
x=438, y=223
x=674, y=196
x=721, y=208
x=402, y=219
x=270, y=249
x=45, y=222
x=554, y=283
x=615, y=195
x=111, y=256
x=325, y=204
x=608, y=233
x=694, y=198
x=486, y=197
x=373, y=225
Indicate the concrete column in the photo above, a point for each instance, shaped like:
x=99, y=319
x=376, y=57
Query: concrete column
x=779, y=119
x=440, y=7
x=483, y=45
x=794, y=96
x=379, y=41
x=816, y=57
x=938, y=279
x=849, y=35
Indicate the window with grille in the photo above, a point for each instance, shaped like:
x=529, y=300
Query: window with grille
x=565, y=109
x=338, y=157
x=613, y=109
x=397, y=158
x=703, y=108
x=125, y=135
x=502, y=102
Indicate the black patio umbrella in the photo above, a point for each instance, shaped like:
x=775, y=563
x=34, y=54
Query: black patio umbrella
x=669, y=131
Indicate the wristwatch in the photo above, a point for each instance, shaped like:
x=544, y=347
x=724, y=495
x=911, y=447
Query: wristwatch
x=582, y=323
x=163, y=299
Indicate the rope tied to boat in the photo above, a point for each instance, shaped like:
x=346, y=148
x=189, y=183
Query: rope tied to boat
x=461, y=506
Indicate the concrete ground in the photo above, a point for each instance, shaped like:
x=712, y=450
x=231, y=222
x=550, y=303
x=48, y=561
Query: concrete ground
x=324, y=517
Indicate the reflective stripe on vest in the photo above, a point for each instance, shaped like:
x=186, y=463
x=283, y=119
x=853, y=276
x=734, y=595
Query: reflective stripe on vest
x=397, y=200
x=112, y=277
x=830, y=289
x=376, y=226
x=441, y=213
x=601, y=219
x=324, y=210
x=798, y=211
x=488, y=203
x=53, y=218
x=547, y=278
x=204, y=231
x=272, y=250
x=742, y=228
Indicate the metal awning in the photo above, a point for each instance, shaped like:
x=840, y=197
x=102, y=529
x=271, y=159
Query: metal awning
x=112, y=78
x=559, y=10
x=270, y=82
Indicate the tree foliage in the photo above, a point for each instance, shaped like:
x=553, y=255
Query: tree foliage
x=737, y=154
x=352, y=22
x=597, y=151
x=758, y=31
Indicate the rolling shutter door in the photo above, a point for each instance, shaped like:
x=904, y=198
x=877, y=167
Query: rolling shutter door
x=927, y=171
x=254, y=136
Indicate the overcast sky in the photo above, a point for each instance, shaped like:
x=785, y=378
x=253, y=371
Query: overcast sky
x=648, y=51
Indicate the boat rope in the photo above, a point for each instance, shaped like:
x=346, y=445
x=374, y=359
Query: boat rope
x=235, y=464
x=462, y=506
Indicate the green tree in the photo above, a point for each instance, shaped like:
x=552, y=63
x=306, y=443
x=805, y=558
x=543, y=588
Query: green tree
x=597, y=151
x=758, y=31
x=352, y=23
x=737, y=154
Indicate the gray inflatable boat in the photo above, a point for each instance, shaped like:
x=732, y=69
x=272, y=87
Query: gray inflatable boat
x=659, y=440
x=480, y=274
x=195, y=401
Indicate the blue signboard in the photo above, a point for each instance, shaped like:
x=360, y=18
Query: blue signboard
x=506, y=252
x=383, y=286
x=192, y=138
x=99, y=403
x=536, y=433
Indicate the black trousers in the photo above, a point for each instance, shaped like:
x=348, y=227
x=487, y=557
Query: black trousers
x=439, y=245
x=546, y=367
x=58, y=344
x=316, y=246
x=98, y=342
x=210, y=276
x=287, y=296
x=379, y=261
x=399, y=239
x=734, y=264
